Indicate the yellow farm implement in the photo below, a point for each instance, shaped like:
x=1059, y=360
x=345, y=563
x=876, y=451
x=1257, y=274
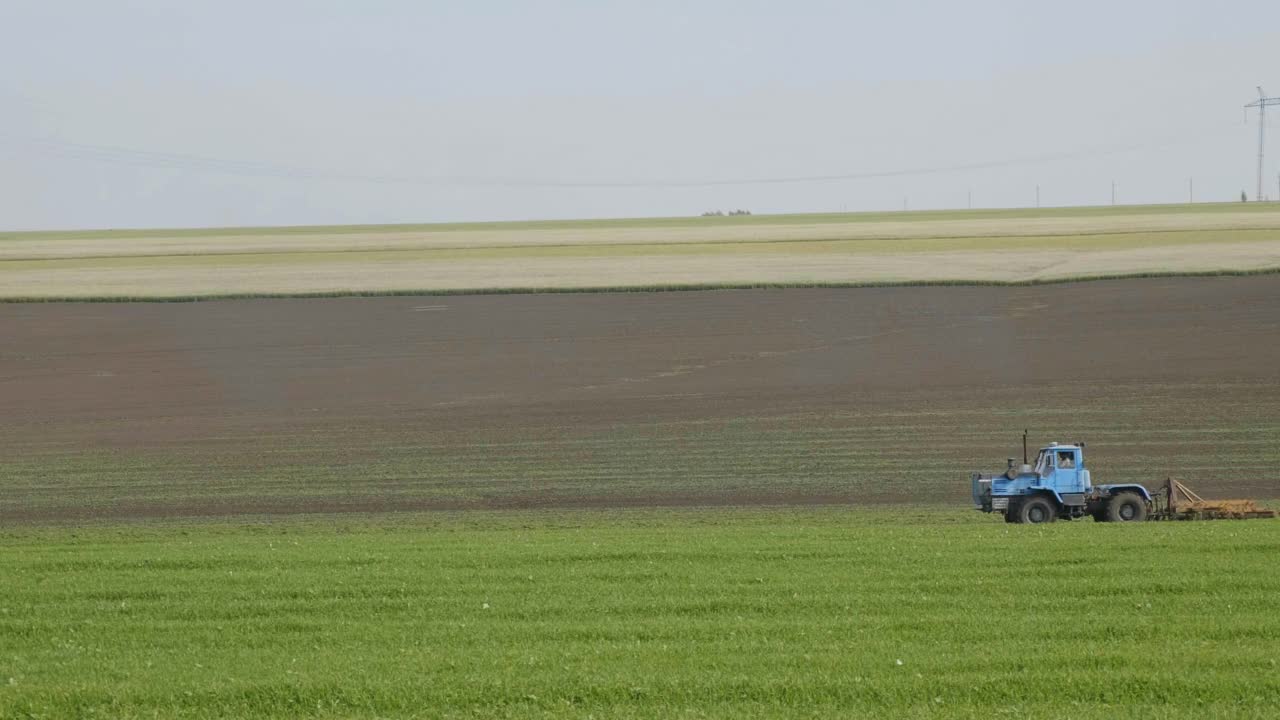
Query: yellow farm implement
x=1175, y=501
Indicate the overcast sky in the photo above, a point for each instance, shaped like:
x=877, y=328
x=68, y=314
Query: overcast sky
x=160, y=113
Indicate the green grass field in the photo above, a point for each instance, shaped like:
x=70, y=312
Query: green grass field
x=891, y=612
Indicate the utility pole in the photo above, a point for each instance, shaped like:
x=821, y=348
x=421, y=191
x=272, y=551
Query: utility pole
x=1191, y=191
x=1113, y=192
x=1037, y=196
x=1261, y=103
x=970, y=199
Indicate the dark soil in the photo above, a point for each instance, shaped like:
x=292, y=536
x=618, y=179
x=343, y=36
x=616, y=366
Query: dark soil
x=630, y=399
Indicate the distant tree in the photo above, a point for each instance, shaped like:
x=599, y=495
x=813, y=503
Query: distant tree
x=1244, y=197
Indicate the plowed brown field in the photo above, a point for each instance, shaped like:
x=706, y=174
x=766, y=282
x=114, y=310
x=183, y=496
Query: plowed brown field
x=719, y=397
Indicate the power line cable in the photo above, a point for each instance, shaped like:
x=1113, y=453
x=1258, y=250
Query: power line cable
x=181, y=161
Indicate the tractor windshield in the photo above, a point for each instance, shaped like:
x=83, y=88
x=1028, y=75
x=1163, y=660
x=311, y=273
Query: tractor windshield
x=1042, y=463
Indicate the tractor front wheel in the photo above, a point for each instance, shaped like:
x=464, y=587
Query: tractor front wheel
x=1126, y=507
x=1037, y=510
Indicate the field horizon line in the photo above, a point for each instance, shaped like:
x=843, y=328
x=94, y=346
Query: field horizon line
x=649, y=220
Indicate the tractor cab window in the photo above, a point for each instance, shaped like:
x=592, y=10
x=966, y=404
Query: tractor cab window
x=1066, y=459
x=1043, y=463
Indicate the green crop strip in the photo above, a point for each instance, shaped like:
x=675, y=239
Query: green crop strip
x=1073, y=242
x=896, y=612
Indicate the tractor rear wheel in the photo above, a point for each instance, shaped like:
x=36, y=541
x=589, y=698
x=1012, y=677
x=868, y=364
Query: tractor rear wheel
x=1037, y=510
x=1126, y=507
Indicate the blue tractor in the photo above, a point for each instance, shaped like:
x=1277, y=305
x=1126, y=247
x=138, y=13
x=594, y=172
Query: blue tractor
x=1057, y=486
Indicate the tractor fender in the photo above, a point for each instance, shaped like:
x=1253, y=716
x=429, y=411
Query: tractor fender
x=1043, y=490
x=1109, y=490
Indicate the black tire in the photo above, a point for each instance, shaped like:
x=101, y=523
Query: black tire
x=1037, y=510
x=1126, y=507
x=1099, y=515
x=1011, y=513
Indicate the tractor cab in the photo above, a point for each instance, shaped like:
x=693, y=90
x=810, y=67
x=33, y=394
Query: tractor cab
x=1061, y=467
